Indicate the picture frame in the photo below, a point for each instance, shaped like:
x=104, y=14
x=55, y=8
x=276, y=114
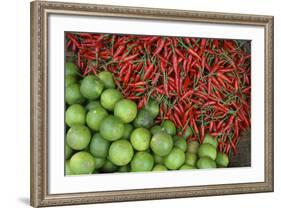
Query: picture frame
x=40, y=93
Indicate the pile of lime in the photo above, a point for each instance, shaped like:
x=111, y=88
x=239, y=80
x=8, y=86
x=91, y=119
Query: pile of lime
x=106, y=133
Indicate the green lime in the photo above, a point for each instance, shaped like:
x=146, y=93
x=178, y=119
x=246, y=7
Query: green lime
x=111, y=128
x=124, y=169
x=207, y=150
x=91, y=87
x=121, y=152
x=188, y=132
x=187, y=167
x=99, y=162
x=153, y=108
x=71, y=69
x=99, y=146
x=143, y=119
x=175, y=159
x=140, y=139
x=75, y=115
x=68, y=151
x=193, y=147
x=180, y=142
x=210, y=140
x=68, y=171
x=78, y=137
x=127, y=131
x=107, y=79
x=142, y=161
x=109, y=167
x=206, y=162
x=109, y=98
x=82, y=163
x=92, y=104
x=190, y=159
x=222, y=159
x=169, y=127
x=126, y=110
x=95, y=117
x=176, y=137
x=161, y=144
x=159, y=167
x=158, y=159
x=73, y=94
x=156, y=129
x=69, y=80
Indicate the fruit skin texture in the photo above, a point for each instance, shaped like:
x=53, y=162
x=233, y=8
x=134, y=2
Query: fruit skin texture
x=142, y=161
x=75, y=115
x=207, y=150
x=78, y=137
x=143, y=119
x=111, y=128
x=92, y=104
x=127, y=131
x=159, y=167
x=68, y=171
x=153, y=108
x=71, y=69
x=121, y=152
x=95, y=116
x=169, y=127
x=99, y=162
x=109, y=98
x=161, y=144
x=180, y=142
x=107, y=79
x=190, y=159
x=175, y=159
x=156, y=129
x=210, y=140
x=69, y=80
x=126, y=110
x=91, y=87
x=222, y=160
x=193, y=147
x=205, y=163
x=140, y=139
x=73, y=94
x=82, y=163
x=99, y=146
x=108, y=167
x=124, y=168
x=68, y=151
x=158, y=159
x=187, y=167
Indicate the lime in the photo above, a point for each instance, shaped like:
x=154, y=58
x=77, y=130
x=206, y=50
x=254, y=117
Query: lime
x=99, y=162
x=142, y=161
x=126, y=110
x=108, y=167
x=143, y=119
x=169, y=127
x=121, y=152
x=91, y=87
x=210, y=140
x=176, y=137
x=180, y=142
x=75, y=115
x=73, y=94
x=159, y=167
x=109, y=98
x=207, y=150
x=99, y=146
x=111, y=128
x=175, y=159
x=95, y=117
x=82, y=163
x=69, y=80
x=158, y=159
x=67, y=169
x=71, y=69
x=140, y=139
x=206, y=162
x=153, y=108
x=193, y=147
x=127, y=131
x=188, y=132
x=161, y=144
x=187, y=167
x=68, y=151
x=124, y=168
x=190, y=159
x=78, y=137
x=156, y=129
x=222, y=159
x=107, y=79
x=92, y=104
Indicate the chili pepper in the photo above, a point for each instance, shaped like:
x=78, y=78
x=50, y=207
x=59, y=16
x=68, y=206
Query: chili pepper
x=193, y=53
x=159, y=47
x=148, y=72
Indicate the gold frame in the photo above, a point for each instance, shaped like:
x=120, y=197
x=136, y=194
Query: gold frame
x=39, y=103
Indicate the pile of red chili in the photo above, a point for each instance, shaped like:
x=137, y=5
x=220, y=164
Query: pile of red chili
x=200, y=83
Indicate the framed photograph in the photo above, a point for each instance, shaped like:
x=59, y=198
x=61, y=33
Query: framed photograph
x=139, y=104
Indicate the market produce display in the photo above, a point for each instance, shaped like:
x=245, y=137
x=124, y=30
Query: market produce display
x=151, y=103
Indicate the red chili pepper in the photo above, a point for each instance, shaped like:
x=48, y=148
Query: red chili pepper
x=159, y=47
x=193, y=53
x=187, y=94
